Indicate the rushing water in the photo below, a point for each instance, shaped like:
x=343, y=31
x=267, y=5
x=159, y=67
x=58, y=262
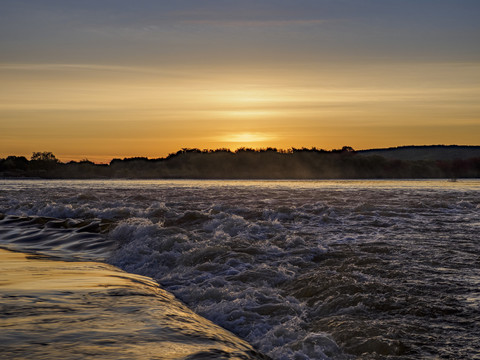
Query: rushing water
x=299, y=269
x=88, y=310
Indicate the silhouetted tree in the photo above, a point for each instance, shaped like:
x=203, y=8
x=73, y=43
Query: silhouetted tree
x=16, y=162
x=43, y=156
x=348, y=149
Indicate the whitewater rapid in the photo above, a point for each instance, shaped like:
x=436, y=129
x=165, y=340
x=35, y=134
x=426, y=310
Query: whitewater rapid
x=299, y=269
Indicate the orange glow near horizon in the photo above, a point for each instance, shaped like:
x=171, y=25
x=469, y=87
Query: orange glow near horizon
x=100, y=113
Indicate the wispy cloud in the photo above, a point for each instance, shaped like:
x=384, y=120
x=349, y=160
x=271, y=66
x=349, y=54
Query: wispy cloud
x=258, y=23
x=56, y=67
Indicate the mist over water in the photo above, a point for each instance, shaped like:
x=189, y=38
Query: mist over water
x=299, y=269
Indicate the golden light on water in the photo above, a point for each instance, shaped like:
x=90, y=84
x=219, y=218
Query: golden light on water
x=70, y=298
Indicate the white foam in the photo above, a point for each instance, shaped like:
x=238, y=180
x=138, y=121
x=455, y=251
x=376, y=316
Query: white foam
x=235, y=254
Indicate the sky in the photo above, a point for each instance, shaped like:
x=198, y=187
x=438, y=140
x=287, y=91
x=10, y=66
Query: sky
x=110, y=79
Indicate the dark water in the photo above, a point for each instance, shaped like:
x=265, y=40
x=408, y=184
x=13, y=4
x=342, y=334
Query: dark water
x=301, y=270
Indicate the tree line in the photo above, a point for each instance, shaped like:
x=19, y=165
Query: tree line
x=244, y=163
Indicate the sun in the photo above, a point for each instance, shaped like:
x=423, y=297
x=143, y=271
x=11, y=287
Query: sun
x=245, y=138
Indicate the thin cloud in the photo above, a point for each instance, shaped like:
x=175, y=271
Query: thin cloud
x=55, y=67
x=258, y=23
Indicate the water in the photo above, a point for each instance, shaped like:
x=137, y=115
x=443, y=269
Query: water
x=299, y=269
x=78, y=310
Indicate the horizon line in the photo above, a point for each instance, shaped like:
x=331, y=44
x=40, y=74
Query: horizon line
x=238, y=149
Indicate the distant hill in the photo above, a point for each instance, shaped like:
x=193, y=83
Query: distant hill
x=432, y=153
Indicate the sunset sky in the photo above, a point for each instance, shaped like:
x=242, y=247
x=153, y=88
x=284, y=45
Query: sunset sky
x=100, y=79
